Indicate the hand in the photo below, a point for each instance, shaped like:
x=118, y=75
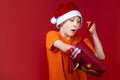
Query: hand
x=73, y=52
x=93, y=27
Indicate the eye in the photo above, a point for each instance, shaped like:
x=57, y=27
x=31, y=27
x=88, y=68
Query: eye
x=71, y=20
x=78, y=21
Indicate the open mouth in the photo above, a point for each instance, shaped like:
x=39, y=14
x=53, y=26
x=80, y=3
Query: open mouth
x=73, y=30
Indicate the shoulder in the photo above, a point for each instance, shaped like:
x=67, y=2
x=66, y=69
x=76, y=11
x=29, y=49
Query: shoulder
x=86, y=40
x=51, y=33
x=90, y=44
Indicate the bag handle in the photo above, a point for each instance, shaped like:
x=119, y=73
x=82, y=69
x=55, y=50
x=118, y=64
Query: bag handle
x=86, y=32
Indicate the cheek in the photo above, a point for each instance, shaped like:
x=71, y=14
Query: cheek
x=66, y=31
x=66, y=28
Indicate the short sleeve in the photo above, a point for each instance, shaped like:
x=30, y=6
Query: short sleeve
x=90, y=45
x=51, y=37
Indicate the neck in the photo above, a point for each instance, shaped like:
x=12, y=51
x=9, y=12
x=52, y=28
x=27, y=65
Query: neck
x=65, y=35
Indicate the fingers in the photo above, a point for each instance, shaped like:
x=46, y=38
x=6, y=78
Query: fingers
x=89, y=23
x=91, y=26
x=75, y=52
x=93, y=29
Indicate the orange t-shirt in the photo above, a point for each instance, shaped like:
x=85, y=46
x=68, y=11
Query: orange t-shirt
x=58, y=60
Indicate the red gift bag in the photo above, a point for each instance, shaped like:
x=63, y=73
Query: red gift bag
x=88, y=61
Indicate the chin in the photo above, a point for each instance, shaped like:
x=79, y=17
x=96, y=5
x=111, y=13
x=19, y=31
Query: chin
x=71, y=35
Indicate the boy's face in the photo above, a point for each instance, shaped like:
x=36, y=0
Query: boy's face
x=70, y=26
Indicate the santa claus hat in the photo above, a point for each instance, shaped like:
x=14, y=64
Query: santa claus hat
x=64, y=12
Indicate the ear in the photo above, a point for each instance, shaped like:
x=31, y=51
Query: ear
x=59, y=26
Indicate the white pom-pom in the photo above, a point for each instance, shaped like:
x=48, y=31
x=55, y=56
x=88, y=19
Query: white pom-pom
x=53, y=20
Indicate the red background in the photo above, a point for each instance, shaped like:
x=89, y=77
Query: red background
x=24, y=24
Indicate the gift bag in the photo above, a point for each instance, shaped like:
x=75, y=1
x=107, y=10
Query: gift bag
x=88, y=61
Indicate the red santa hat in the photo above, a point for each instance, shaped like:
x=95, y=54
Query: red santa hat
x=64, y=12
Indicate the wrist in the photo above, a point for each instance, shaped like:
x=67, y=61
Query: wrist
x=73, y=52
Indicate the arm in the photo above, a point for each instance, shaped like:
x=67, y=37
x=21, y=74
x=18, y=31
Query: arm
x=98, y=46
x=70, y=50
x=61, y=45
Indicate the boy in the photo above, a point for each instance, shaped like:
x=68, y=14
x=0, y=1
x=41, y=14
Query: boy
x=68, y=20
